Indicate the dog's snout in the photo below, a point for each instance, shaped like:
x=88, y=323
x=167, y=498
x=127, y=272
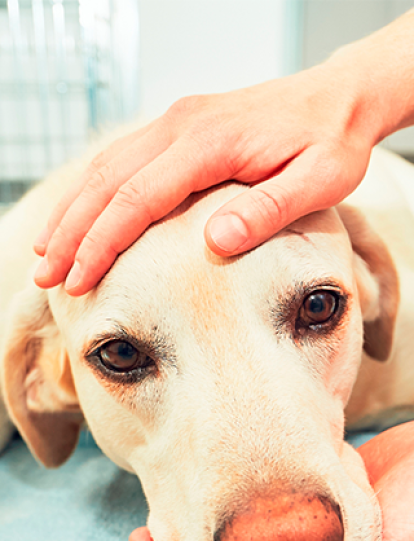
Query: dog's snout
x=293, y=517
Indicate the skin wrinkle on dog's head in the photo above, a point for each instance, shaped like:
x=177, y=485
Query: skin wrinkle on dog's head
x=205, y=432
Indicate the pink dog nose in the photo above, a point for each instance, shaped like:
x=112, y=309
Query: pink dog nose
x=293, y=517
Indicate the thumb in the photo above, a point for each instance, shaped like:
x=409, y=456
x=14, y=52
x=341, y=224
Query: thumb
x=389, y=459
x=309, y=184
x=140, y=534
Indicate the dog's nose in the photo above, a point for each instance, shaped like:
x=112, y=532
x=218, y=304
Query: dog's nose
x=293, y=517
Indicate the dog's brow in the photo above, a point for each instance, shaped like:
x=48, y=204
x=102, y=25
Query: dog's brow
x=154, y=340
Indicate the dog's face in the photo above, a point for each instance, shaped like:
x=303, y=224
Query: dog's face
x=221, y=383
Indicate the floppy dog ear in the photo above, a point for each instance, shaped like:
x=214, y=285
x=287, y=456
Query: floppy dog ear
x=37, y=381
x=377, y=282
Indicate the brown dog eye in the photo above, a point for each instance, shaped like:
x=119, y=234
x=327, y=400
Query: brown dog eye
x=318, y=307
x=121, y=356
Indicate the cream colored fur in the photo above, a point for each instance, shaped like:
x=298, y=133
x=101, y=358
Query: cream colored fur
x=238, y=404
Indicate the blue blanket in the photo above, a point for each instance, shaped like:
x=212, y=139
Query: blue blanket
x=87, y=499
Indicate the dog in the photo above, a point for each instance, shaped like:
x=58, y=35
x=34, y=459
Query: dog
x=224, y=384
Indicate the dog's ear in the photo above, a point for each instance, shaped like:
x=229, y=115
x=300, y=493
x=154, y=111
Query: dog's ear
x=37, y=381
x=377, y=282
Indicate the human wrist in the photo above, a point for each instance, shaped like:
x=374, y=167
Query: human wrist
x=356, y=112
x=382, y=69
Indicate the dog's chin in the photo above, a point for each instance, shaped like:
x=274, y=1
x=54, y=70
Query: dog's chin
x=118, y=460
x=362, y=508
x=159, y=530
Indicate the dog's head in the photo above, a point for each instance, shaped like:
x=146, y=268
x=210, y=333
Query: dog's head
x=221, y=382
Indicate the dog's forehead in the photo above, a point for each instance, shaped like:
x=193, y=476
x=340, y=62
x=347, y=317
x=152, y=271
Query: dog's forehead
x=171, y=260
x=170, y=269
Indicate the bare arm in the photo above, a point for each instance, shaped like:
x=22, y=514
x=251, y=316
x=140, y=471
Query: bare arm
x=303, y=142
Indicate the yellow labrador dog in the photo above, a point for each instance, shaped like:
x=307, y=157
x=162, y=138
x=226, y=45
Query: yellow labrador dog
x=222, y=383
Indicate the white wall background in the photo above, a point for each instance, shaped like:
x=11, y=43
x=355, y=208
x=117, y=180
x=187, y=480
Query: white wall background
x=172, y=48
x=328, y=24
x=72, y=65
x=203, y=46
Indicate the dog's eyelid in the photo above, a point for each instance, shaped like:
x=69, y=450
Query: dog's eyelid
x=92, y=346
x=156, y=346
x=329, y=285
x=301, y=290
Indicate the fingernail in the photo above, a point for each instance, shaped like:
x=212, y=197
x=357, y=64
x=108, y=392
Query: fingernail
x=74, y=276
x=228, y=232
x=42, y=270
x=43, y=238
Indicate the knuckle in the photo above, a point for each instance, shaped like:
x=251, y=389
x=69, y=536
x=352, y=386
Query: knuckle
x=97, y=162
x=62, y=246
x=186, y=106
x=212, y=148
x=101, y=180
x=92, y=240
x=97, y=243
x=61, y=236
x=219, y=140
x=130, y=196
x=273, y=208
x=208, y=132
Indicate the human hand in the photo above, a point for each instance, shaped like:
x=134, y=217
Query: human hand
x=298, y=141
x=389, y=459
x=303, y=143
x=140, y=534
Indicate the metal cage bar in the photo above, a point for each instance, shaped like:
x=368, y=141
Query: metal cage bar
x=60, y=80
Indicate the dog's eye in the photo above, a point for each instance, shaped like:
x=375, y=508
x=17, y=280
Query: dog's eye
x=120, y=356
x=318, y=308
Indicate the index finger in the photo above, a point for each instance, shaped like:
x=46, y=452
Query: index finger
x=151, y=194
x=99, y=161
